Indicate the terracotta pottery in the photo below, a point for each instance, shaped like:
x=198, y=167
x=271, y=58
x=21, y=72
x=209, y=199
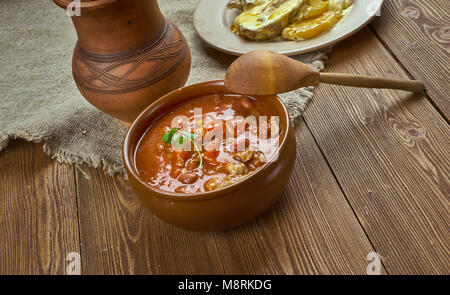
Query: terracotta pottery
x=127, y=55
x=215, y=210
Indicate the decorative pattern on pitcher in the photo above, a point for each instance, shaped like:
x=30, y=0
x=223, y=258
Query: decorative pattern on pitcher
x=133, y=70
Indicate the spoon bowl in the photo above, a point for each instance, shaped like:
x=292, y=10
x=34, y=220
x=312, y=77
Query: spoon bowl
x=262, y=72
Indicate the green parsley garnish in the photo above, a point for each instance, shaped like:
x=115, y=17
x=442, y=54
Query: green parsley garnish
x=176, y=137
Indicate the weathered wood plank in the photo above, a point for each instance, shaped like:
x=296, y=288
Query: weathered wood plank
x=311, y=230
x=389, y=151
x=119, y=236
x=38, y=212
x=418, y=33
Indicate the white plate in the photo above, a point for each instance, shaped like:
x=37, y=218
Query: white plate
x=212, y=21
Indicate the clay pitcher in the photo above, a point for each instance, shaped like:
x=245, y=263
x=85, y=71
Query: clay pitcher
x=127, y=54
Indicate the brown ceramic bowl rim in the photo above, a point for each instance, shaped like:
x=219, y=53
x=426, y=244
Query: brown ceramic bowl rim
x=130, y=166
x=85, y=4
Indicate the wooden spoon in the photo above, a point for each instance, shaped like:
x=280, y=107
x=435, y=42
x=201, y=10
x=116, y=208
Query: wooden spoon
x=263, y=72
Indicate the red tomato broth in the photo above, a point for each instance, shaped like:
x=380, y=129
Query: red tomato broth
x=165, y=167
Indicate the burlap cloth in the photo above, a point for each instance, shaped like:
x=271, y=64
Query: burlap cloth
x=39, y=99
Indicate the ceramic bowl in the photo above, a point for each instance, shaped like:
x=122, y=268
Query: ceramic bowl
x=220, y=209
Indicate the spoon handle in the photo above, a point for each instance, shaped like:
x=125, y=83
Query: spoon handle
x=371, y=82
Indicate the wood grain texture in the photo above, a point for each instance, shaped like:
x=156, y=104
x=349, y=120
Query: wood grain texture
x=418, y=34
x=311, y=230
x=389, y=151
x=120, y=236
x=38, y=212
x=372, y=82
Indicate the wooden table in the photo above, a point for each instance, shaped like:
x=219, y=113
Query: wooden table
x=372, y=174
